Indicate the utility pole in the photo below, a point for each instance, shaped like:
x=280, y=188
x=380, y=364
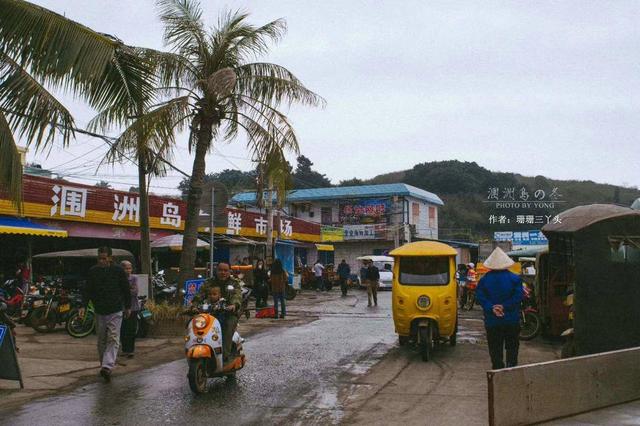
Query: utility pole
x=269, y=207
x=211, y=231
x=145, y=227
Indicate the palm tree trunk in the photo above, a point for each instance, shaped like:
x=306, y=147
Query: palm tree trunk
x=145, y=227
x=188, y=256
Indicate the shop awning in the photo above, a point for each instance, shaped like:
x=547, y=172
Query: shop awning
x=324, y=247
x=14, y=225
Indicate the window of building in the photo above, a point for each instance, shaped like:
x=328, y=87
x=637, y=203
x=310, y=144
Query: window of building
x=415, y=213
x=432, y=217
x=326, y=215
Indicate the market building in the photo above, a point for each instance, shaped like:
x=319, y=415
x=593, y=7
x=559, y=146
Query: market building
x=58, y=215
x=359, y=220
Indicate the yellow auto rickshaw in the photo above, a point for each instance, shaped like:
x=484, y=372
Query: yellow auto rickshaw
x=425, y=308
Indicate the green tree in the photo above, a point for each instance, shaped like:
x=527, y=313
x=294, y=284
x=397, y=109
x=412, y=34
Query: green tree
x=41, y=50
x=305, y=177
x=234, y=180
x=215, y=89
x=103, y=184
x=351, y=182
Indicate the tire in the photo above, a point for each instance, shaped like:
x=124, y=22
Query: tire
x=77, y=327
x=568, y=348
x=197, y=376
x=290, y=293
x=41, y=324
x=403, y=340
x=426, y=343
x=454, y=337
x=529, y=325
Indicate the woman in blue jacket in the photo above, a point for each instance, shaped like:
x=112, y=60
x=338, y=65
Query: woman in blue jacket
x=499, y=293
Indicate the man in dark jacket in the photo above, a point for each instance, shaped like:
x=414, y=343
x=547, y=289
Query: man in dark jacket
x=373, y=282
x=344, y=271
x=499, y=293
x=108, y=288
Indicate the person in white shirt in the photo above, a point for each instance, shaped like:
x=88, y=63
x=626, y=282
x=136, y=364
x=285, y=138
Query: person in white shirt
x=317, y=272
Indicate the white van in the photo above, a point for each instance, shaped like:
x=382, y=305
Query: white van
x=385, y=266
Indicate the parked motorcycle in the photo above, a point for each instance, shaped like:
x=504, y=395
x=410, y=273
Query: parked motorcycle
x=203, y=347
x=13, y=295
x=530, y=323
x=57, y=307
x=31, y=302
x=161, y=290
x=81, y=326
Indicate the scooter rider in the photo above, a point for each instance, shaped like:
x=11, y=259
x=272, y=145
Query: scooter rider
x=233, y=297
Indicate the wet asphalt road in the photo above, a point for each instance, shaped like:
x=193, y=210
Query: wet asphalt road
x=292, y=377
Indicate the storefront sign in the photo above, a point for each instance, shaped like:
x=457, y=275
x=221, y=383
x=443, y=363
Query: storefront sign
x=250, y=224
x=522, y=238
x=331, y=233
x=65, y=201
x=191, y=288
x=364, y=232
x=364, y=211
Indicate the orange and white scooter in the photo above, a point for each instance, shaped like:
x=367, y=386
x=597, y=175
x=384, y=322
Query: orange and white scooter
x=203, y=347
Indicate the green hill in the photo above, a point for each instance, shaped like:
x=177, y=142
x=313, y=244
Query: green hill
x=465, y=187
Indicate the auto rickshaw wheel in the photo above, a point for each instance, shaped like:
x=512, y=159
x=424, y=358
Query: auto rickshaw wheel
x=403, y=340
x=454, y=337
x=426, y=342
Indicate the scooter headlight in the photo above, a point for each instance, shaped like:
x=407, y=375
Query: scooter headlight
x=424, y=302
x=199, y=322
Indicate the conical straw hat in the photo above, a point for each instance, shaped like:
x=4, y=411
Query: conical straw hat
x=498, y=260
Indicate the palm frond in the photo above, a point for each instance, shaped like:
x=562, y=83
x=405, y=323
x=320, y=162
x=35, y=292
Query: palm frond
x=257, y=41
x=30, y=109
x=183, y=27
x=170, y=69
x=153, y=133
x=274, y=84
x=10, y=164
x=59, y=52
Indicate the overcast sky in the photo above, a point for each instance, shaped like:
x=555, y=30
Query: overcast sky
x=548, y=88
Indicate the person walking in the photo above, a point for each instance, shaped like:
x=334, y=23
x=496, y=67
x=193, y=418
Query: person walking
x=279, y=279
x=318, y=269
x=373, y=282
x=461, y=275
x=344, y=271
x=108, y=288
x=499, y=293
x=260, y=285
x=130, y=324
x=470, y=286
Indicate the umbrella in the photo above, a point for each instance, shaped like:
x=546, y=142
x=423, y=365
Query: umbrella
x=174, y=242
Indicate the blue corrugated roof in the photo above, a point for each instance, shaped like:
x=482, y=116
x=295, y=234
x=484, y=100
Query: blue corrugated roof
x=364, y=191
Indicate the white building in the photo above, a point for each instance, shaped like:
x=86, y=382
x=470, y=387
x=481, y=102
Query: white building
x=360, y=220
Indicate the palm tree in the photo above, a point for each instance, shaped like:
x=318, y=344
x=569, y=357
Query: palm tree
x=40, y=49
x=215, y=90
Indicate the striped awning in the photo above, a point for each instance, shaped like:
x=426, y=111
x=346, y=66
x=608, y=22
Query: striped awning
x=324, y=247
x=14, y=225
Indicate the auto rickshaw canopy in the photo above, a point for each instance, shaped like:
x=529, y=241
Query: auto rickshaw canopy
x=424, y=248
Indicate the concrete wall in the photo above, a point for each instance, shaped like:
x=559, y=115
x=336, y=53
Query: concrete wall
x=539, y=392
